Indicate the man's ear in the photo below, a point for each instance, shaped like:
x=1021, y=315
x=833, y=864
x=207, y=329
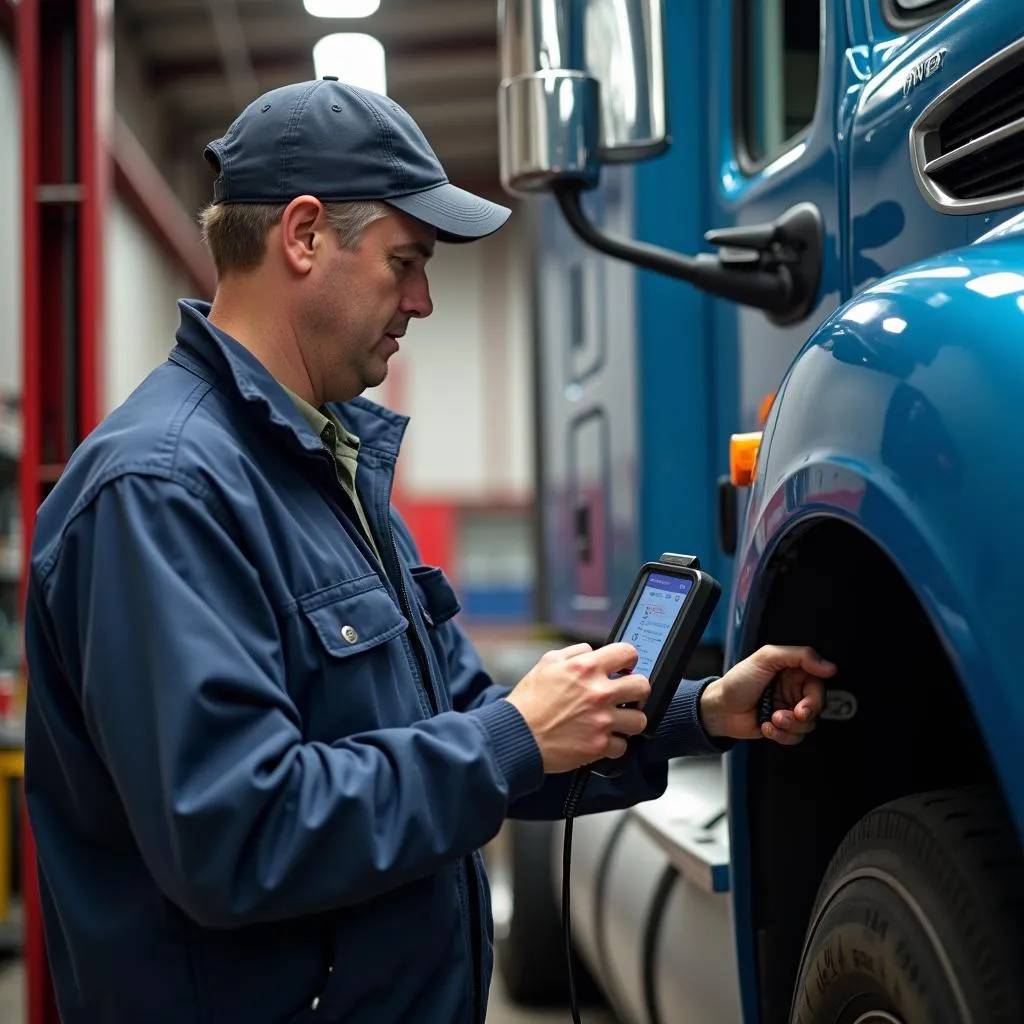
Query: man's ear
x=301, y=225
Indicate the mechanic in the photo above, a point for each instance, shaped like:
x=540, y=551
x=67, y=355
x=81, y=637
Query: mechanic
x=261, y=754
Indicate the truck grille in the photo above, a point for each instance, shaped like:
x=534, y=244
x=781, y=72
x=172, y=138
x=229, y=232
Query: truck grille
x=967, y=147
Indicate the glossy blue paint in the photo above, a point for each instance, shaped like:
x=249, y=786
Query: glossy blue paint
x=891, y=427
x=812, y=168
x=917, y=447
x=807, y=169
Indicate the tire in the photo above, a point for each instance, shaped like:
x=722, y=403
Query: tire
x=530, y=949
x=918, y=919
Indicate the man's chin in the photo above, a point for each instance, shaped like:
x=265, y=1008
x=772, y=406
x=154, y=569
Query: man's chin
x=376, y=376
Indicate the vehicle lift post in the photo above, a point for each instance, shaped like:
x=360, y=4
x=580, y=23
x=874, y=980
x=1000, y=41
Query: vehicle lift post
x=65, y=60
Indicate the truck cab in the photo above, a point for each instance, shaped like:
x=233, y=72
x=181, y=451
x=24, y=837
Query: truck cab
x=850, y=177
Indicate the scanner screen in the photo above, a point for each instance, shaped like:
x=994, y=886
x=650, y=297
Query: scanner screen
x=659, y=605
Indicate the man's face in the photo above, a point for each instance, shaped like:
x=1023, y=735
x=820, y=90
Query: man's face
x=362, y=302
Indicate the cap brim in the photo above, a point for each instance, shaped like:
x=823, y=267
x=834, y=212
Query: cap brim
x=458, y=215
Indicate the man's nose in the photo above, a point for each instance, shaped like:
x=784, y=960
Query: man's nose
x=416, y=300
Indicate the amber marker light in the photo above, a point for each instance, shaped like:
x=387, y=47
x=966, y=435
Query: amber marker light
x=743, y=450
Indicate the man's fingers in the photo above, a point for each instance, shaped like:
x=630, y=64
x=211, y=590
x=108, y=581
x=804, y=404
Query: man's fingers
x=804, y=694
x=812, y=705
x=628, y=721
x=799, y=672
x=629, y=690
x=785, y=737
x=616, y=747
x=788, y=721
x=614, y=658
x=572, y=652
x=778, y=658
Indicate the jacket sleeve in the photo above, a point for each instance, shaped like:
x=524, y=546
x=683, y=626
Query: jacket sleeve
x=680, y=734
x=645, y=768
x=163, y=620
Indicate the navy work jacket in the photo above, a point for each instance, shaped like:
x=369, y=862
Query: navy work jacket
x=259, y=763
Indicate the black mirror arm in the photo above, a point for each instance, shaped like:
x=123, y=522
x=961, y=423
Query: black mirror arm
x=753, y=276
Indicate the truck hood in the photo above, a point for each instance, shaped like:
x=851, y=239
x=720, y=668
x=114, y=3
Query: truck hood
x=1008, y=229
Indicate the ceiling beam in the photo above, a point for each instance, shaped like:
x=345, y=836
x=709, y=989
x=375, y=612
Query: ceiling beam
x=235, y=59
x=144, y=189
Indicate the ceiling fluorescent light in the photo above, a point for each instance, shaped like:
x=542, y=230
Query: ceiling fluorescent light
x=341, y=8
x=355, y=58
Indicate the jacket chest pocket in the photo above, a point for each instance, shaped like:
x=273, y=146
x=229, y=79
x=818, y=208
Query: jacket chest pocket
x=436, y=596
x=354, y=672
x=438, y=605
x=353, y=617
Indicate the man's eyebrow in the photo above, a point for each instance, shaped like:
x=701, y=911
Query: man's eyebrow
x=417, y=247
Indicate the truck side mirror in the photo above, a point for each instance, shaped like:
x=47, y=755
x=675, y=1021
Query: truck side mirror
x=575, y=95
x=583, y=82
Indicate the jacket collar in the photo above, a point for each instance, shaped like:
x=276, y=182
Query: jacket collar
x=219, y=358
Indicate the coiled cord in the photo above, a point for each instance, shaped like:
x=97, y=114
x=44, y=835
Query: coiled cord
x=572, y=802
x=766, y=705
x=577, y=787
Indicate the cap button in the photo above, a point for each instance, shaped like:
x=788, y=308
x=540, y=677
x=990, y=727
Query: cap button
x=331, y=78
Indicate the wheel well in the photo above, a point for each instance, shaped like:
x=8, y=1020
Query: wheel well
x=829, y=586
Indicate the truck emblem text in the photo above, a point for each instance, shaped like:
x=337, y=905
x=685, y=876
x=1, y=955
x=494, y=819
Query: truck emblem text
x=923, y=69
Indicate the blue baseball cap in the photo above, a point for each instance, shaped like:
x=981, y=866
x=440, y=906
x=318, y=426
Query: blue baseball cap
x=341, y=143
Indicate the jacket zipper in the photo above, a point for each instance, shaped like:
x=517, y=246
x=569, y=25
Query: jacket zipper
x=469, y=869
x=476, y=936
x=421, y=659
x=423, y=666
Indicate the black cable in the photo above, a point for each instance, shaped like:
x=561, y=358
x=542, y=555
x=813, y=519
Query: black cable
x=572, y=802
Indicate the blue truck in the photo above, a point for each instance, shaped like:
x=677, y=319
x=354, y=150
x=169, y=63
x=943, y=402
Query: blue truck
x=824, y=403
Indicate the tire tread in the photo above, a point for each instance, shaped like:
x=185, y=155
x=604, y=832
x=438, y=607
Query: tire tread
x=964, y=844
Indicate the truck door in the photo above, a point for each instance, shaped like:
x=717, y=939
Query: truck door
x=586, y=414
x=779, y=87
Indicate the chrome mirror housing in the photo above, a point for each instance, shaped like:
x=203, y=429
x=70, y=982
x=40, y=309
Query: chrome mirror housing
x=576, y=93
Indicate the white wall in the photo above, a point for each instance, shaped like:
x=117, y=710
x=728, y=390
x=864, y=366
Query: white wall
x=463, y=376
x=10, y=224
x=140, y=287
x=140, y=309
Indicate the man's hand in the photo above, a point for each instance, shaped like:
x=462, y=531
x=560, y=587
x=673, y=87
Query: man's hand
x=728, y=706
x=571, y=704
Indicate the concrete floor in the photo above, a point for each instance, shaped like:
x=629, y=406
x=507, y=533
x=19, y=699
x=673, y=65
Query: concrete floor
x=12, y=1004
x=501, y=1012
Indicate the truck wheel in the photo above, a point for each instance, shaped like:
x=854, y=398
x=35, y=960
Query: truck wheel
x=918, y=919
x=530, y=951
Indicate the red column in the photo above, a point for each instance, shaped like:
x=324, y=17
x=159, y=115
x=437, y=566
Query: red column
x=64, y=63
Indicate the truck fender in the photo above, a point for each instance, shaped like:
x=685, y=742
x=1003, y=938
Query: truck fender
x=897, y=429
x=902, y=416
